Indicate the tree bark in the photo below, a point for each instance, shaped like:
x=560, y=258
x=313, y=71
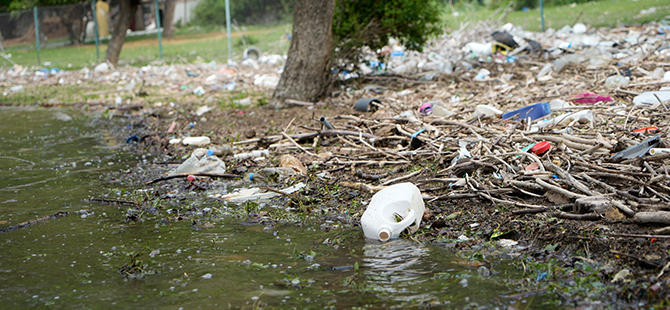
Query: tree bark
x=139, y=19
x=307, y=70
x=128, y=8
x=168, y=25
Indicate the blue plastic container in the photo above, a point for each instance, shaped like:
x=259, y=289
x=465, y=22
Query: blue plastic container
x=534, y=111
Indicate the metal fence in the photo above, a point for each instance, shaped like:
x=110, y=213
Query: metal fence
x=58, y=25
x=265, y=24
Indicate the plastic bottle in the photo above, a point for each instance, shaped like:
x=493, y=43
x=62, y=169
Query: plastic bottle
x=482, y=74
x=402, y=202
x=269, y=174
x=658, y=151
x=257, y=153
x=534, y=111
x=615, y=81
x=584, y=116
x=486, y=111
x=568, y=59
x=559, y=104
x=197, y=141
x=439, y=110
x=545, y=71
x=222, y=150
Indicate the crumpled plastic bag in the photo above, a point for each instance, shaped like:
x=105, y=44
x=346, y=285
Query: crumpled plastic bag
x=201, y=162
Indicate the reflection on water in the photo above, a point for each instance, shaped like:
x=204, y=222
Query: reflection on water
x=396, y=267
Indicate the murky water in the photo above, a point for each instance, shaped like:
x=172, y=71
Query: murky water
x=50, y=165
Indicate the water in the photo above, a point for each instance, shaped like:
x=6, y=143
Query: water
x=74, y=261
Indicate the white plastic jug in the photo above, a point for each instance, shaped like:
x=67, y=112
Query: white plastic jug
x=401, y=200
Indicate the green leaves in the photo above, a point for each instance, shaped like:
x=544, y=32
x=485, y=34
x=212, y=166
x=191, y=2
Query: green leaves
x=359, y=23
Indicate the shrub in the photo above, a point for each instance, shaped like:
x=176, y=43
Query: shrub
x=246, y=12
x=359, y=23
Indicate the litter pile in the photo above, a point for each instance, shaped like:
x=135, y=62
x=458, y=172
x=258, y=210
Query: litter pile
x=575, y=119
x=208, y=81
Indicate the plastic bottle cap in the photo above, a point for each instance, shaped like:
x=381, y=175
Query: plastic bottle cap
x=210, y=152
x=540, y=147
x=251, y=176
x=426, y=108
x=384, y=234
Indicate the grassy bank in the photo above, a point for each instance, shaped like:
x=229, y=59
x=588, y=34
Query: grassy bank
x=607, y=13
x=187, y=45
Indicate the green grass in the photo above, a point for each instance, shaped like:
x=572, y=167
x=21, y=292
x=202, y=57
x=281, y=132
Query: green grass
x=606, y=13
x=190, y=44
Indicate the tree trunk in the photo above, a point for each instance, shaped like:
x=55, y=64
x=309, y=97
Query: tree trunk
x=307, y=69
x=139, y=19
x=128, y=8
x=168, y=25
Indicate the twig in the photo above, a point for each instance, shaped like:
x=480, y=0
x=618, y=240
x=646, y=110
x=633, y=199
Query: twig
x=579, y=217
x=19, y=159
x=402, y=177
x=104, y=200
x=298, y=145
x=661, y=101
x=558, y=189
x=29, y=184
x=199, y=174
x=273, y=190
x=35, y=221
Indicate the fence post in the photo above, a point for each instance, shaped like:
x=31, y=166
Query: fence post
x=97, y=37
x=230, y=40
x=37, y=34
x=158, y=26
x=542, y=13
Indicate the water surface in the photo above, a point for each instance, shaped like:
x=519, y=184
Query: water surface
x=50, y=165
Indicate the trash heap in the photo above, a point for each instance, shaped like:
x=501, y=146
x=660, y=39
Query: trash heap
x=128, y=84
x=576, y=127
x=571, y=121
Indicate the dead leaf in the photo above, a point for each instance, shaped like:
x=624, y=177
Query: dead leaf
x=613, y=214
x=289, y=161
x=556, y=197
x=532, y=167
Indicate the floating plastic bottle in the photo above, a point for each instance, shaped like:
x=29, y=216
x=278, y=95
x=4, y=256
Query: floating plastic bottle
x=534, y=111
x=392, y=210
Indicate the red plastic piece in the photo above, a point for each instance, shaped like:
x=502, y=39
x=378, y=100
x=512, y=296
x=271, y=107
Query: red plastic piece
x=589, y=98
x=650, y=129
x=190, y=178
x=540, y=147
